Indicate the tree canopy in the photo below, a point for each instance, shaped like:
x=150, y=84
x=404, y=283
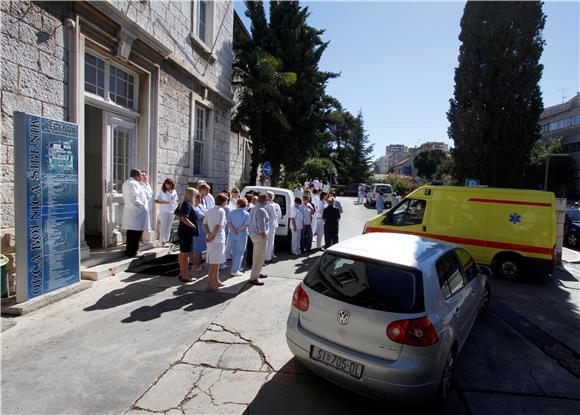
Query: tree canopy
x=427, y=162
x=497, y=101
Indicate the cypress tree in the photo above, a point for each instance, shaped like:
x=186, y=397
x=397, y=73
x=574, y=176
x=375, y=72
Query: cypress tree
x=497, y=101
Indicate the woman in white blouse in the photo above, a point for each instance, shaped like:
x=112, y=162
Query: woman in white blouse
x=214, y=224
x=167, y=201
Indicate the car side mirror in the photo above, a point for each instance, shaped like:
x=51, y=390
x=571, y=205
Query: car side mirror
x=485, y=270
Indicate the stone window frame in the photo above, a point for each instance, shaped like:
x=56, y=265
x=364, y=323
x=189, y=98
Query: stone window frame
x=205, y=44
x=206, y=141
x=107, y=99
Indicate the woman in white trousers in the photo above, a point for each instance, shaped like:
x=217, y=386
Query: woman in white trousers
x=296, y=224
x=167, y=199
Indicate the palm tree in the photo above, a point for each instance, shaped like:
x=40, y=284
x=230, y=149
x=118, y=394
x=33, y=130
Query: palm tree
x=257, y=79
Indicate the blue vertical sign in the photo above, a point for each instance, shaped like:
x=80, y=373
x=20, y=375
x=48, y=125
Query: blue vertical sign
x=267, y=169
x=47, y=237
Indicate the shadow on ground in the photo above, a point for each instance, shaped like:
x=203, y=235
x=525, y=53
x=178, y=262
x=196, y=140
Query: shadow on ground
x=319, y=396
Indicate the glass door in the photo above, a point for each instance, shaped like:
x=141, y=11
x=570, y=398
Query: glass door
x=120, y=155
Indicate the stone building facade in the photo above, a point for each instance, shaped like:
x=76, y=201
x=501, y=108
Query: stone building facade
x=148, y=83
x=562, y=122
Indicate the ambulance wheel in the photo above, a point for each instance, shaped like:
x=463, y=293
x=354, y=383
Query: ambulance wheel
x=509, y=266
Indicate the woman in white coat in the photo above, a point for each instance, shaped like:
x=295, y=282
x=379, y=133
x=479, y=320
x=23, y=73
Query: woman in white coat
x=167, y=199
x=135, y=211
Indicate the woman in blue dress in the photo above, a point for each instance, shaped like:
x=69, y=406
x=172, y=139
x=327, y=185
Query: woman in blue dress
x=238, y=222
x=187, y=229
x=199, y=244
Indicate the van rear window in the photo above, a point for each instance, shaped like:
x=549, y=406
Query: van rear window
x=367, y=284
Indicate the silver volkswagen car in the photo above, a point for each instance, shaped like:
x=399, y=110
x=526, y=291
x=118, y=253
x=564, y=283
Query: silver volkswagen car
x=387, y=314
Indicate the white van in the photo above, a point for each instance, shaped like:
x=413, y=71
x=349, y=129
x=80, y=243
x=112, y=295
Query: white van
x=386, y=190
x=284, y=198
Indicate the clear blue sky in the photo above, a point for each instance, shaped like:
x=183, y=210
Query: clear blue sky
x=397, y=62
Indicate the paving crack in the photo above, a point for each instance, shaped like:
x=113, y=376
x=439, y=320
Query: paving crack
x=134, y=404
x=269, y=367
x=190, y=391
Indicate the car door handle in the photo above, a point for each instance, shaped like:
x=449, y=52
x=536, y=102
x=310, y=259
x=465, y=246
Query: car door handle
x=424, y=229
x=456, y=310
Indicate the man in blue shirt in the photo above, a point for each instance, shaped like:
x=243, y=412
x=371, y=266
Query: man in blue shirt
x=259, y=228
x=380, y=203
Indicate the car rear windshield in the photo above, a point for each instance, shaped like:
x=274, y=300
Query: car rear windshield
x=367, y=284
x=384, y=189
x=573, y=214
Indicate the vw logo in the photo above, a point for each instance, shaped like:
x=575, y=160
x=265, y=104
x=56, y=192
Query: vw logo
x=343, y=317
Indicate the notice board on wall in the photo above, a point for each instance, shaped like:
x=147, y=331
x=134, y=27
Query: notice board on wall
x=47, y=205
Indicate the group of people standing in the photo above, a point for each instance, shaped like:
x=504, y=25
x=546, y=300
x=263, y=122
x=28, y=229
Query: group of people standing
x=225, y=228
x=229, y=226
x=315, y=213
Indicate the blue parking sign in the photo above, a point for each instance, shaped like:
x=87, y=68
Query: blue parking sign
x=267, y=169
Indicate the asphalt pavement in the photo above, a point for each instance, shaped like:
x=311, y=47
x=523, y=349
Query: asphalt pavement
x=142, y=342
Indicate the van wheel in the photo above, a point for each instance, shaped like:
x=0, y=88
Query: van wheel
x=509, y=267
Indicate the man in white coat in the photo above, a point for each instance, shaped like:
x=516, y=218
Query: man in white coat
x=135, y=211
x=275, y=213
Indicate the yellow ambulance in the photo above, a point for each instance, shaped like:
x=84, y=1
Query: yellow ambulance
x=512, y=230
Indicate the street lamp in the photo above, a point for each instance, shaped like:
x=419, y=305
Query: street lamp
x=548, y=167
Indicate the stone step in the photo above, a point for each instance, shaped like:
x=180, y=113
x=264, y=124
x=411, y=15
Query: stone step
x=112, y=268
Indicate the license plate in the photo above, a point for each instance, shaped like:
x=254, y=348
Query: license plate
x=340, y=363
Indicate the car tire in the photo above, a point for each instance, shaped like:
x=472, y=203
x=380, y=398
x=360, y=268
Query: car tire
x=572, y=240
x=485, y=299
x=444, y=390
x=509, y=267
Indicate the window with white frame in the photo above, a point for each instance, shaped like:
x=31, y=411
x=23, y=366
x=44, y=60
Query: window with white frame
x=94, y=75
x=199, y=139
x=203, y=24
x=110, y=82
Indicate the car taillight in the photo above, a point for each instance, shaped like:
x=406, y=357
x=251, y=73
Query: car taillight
x=300, y=299
x=416, y=332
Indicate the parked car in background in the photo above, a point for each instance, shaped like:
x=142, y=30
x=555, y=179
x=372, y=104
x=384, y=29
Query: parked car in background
x=351, y=189
x=385, y=189
x=387, y=315
x=285, y=198
x=572, y=228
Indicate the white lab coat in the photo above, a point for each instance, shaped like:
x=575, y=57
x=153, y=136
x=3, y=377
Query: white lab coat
x=136, y=209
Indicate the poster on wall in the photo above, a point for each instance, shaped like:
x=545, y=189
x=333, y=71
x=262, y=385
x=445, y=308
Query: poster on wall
x=47, y=206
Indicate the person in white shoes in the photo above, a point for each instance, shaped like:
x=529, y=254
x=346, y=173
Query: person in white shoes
x=275, y=214
x=296, y=224
x=167, y=201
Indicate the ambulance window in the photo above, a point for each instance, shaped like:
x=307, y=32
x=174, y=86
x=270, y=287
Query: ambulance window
x=450, y=278
x=470, y=270
x=410, y=212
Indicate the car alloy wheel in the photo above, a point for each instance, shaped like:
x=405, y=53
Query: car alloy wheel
x=446, y=379
x=485, y=300
x=572, y=240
